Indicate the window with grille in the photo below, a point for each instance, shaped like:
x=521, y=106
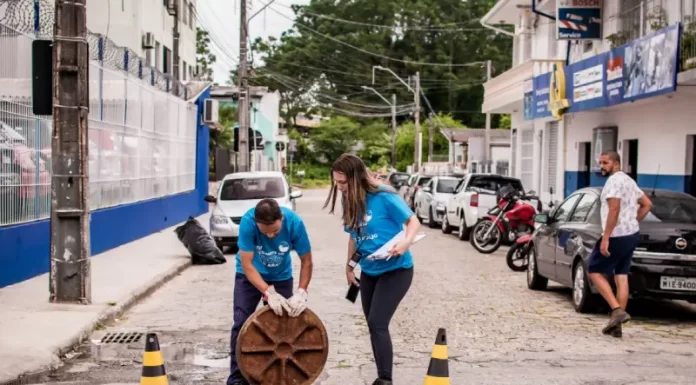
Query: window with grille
x=638, y=18
x=527, y=157
x=513, y=153
x=552, y=151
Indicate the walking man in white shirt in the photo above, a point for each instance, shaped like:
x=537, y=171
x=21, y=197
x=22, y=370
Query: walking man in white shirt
x=623, y=206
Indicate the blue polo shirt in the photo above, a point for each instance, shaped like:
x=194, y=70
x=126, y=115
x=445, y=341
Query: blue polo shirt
x=385, y=216
x=272, y=256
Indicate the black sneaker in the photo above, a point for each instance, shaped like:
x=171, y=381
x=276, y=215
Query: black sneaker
x=380, y=381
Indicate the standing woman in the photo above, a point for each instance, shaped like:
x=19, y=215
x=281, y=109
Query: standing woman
x=372, y=215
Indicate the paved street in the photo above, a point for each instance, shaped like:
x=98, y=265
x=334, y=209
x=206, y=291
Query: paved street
x=499, y=332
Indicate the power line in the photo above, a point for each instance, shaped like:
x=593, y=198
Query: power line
x=437, y=28
x=376, y=54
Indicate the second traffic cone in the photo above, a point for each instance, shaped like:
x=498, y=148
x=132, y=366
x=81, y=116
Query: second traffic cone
x=438, y=370
x=153, y=363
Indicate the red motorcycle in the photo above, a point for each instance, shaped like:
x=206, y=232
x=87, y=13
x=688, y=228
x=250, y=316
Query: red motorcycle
x=517, y=257
x=507, y=221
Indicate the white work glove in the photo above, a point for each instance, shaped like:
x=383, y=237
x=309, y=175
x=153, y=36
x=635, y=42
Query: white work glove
x=276, y=301
x=297, y=303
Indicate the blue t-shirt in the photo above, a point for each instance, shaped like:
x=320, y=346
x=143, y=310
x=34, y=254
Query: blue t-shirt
x=272, y=256
x=384, y=218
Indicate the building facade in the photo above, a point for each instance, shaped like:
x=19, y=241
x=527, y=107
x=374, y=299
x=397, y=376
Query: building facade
x=148, y=145
x=130, y=23
x=625, y=85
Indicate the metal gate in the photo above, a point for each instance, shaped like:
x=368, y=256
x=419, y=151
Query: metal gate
x=552, y=155
x=513, y=161
x=527, y=157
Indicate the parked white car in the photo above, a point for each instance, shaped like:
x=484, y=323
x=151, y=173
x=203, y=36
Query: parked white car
x=240, y=192
x=473, y=197
x=431, y=200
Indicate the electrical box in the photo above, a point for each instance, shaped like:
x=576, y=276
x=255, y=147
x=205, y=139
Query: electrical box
x=210, y=111
x=148, y=40
x=171, y=7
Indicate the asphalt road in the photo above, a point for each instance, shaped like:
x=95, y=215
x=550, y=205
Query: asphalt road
x=499, y=332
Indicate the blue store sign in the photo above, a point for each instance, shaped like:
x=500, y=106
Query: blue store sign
x=579, y=19
x=641, y=69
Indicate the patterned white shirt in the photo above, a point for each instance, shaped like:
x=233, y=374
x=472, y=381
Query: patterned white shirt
x=619, y=185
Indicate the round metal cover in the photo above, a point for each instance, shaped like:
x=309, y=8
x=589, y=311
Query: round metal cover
x=273, y=350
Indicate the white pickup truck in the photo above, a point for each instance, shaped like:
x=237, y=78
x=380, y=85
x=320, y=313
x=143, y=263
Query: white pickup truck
x=472, y=198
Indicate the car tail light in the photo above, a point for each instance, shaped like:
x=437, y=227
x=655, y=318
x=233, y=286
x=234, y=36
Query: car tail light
x=474, y=200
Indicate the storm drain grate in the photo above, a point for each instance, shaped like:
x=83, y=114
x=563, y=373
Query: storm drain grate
x=121, y=338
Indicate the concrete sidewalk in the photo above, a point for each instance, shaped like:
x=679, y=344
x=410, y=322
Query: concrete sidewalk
x=34, y=333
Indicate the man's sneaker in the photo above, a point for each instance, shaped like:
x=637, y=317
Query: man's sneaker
x=380, y=381
x=618, y=317
x=617, y=332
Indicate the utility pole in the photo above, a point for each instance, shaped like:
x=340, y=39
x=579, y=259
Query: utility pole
x=70, y=251
x=243, y=91
x=487, y=138
x=416, y=118
x=393, y=136
x=175, y=49
x=431, y=127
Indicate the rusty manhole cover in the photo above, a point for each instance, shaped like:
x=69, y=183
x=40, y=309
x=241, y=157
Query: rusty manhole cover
x=274, y=350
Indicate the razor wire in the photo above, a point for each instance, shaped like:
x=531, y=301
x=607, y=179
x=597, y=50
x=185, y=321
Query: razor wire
x=36, y=18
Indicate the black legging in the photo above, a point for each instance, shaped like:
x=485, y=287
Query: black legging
x=381, y=296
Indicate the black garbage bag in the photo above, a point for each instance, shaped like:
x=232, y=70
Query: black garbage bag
x=199, y=243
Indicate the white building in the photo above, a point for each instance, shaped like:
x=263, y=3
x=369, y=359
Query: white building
x=129, y=23
x=613, y=100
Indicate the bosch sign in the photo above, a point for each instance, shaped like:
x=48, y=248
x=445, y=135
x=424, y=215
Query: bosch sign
x=579, y=19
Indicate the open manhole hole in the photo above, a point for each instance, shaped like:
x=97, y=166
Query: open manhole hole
x=121, y=338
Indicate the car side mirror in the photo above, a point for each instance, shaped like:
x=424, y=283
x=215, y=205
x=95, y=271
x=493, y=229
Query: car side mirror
x=531, y=192
x=294, y=194
x=210, y=199
x=541, y=218
x=427, y=190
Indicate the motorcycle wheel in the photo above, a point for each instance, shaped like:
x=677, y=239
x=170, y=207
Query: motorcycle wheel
x=517, y=257
x=489, y=246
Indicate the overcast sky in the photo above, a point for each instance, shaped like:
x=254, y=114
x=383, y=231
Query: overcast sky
x=221, y=18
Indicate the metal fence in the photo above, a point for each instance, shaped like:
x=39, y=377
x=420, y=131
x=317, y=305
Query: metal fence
x=142, y=133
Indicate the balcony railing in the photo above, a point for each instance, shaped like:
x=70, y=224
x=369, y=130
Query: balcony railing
x=638, y=18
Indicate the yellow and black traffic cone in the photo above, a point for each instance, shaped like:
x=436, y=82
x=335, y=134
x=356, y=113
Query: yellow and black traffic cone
x=153, y=363
x=438, y=370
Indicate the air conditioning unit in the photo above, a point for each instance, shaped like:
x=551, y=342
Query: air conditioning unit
x=171, y=7
x=210, y=111
x=148, y=40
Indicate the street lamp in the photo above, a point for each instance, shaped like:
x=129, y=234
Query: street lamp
x=393, y=110
x=416, y=114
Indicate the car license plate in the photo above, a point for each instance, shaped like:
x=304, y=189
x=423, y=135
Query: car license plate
x=678, y=283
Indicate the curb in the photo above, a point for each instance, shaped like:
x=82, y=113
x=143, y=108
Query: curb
x=106, y=316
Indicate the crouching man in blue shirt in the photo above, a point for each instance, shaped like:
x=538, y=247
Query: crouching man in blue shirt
x=267, y=234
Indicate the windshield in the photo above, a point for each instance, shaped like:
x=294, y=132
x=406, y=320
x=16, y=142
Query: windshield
x=423, y=181
x=495, y=184
x=252, y=188
x=672, y=209
x=398, y=178
x=446, y=186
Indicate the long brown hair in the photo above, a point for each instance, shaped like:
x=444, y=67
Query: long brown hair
x=360, y=183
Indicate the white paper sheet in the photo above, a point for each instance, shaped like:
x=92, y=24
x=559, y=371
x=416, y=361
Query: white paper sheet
x=383, y=252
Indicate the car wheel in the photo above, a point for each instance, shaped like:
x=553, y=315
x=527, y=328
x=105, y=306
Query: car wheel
x=415, y=210
x=463, y=230
x=446, y=228
x=584, y=301
x=431, y=219
x=220, y=246
x=534, y=280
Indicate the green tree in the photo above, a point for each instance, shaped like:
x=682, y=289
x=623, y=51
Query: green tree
x=505, y=121
x=334, y=137
x=204, y=58
x=405, y=140
x=223, y=137
x=375, y=136
x=303, y=63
